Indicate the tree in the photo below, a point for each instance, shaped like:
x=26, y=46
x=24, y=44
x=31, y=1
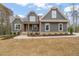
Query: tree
x=4, y=18
x=70, y=29
x=75, y=17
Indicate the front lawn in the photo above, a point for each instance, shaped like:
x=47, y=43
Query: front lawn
x=59, y=46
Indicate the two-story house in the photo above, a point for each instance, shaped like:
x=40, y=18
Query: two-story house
x=53, y=21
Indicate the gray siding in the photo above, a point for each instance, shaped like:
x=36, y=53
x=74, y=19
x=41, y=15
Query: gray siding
x=33, y=14
x=17, y=21
x=49, y=16
x=53, y=27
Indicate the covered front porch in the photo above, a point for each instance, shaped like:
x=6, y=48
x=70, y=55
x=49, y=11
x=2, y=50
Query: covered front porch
x=31, y=27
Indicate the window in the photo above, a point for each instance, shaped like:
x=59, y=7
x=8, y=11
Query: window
x=54, y=14
x=32, y=18
x=60, y=27
x=34, y=27
x=17, y=26
x=47, y=27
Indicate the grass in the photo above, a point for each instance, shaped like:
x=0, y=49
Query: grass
x=59, y=46
x=4, y=37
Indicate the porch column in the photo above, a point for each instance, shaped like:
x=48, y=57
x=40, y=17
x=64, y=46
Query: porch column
x=40, y=27
x=28, y=27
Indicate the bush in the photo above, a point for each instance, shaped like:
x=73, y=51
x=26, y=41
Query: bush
x=18, y=33
x=70, y=30
x=8, y=37
x=36, y=34
x=66, y=33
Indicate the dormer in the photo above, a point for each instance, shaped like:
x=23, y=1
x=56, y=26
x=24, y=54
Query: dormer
x=32, y=17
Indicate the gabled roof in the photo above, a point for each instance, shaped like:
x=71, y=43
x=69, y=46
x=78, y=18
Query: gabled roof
x=15, y=18
x=31, y=12
x=53, y=9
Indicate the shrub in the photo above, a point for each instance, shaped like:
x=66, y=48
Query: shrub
x=70, y=30
x=36, y=33
x=55, y=33
x=66, y=33
x=18, y=33
x=14, y=33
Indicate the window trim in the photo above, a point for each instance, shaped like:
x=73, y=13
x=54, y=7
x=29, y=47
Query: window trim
x=45, y=27
x=59, y=27
x=55, y=13
x=15, y=26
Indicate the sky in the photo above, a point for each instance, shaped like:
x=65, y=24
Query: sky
x=40, y=9
x=22, y=9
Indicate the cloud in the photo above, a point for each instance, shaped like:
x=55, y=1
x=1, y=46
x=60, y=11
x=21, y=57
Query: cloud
x=40, y=14
x=38, y=9
x=22, y=4
x=39, y=3
x=70, y=8
x=21, y=15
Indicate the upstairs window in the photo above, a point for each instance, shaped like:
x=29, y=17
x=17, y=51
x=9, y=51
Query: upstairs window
x=54, y=14
x=32, y=18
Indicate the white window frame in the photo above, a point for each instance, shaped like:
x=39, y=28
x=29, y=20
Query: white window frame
x=45, y=27
x=16, y=25
x=32, y=18
x=54, y=13
x=59, y=27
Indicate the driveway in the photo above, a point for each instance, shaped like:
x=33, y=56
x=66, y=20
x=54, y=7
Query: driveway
x=40, y=37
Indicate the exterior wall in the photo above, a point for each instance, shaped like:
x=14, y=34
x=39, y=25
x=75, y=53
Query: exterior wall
x=32, y=14
x=49, y=16
x=17, y=21
x=36, y=22
x=53, y=27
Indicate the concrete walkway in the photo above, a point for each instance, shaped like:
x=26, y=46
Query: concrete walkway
x=40, y=37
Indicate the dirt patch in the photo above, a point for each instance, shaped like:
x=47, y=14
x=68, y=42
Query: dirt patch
x=59, y=46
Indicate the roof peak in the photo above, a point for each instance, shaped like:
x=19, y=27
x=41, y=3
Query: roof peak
x=54, y=7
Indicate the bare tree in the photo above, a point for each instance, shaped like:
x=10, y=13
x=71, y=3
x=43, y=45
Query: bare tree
x=75, y=17
x=73, y=8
